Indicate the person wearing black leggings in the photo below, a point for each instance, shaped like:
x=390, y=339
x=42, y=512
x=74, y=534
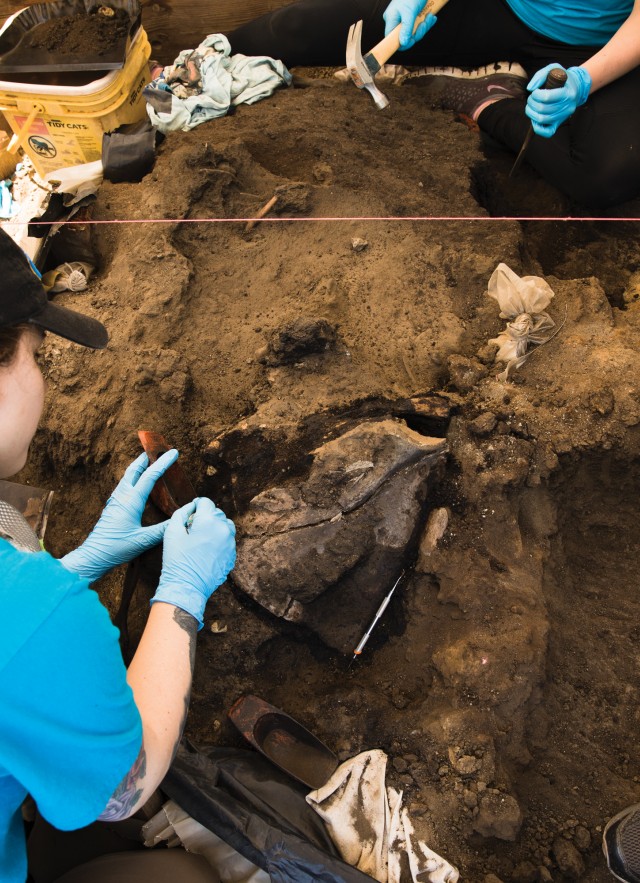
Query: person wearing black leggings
x=590, y=149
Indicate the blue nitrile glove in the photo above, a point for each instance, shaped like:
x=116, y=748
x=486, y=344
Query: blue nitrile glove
x=119, y=536
x=549, y=108
x=197, y=554
x=405, y=12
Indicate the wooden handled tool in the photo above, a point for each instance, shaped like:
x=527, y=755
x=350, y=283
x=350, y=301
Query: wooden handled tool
x=556, y=78
x=363, y=69
x=382, y=52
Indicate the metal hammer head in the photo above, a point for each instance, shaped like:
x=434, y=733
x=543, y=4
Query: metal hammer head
x=358, y=69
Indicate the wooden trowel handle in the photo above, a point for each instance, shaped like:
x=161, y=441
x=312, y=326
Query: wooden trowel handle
x=391, y=43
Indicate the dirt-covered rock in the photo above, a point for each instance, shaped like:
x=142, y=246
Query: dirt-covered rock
x=324, y=551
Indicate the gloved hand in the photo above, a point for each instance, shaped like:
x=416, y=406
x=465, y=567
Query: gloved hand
x=405, y=12
x=197, y=555
x=118, y=536
x=549, y=108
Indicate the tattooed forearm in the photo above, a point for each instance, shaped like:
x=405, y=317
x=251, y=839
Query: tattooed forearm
x=190, y=626
x=182, y=725
x=122, y=802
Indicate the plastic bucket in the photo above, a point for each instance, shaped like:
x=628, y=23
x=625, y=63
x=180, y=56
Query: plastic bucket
x=61, y=126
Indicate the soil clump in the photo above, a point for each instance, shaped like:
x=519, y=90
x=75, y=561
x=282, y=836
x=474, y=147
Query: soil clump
x=97, y=33
x=503, y=680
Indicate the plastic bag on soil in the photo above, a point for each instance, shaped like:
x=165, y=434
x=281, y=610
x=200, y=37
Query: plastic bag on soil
x=523, y=300
x=260, y=812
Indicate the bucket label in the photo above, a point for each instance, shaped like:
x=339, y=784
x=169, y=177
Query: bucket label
x=42, y=146
x=56, y=142
x=37, y=127
x=61, y=124
x=135, y=93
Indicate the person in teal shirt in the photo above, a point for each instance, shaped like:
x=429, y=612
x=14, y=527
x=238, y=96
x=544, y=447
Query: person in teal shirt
x=487, y=60
x=81, y=735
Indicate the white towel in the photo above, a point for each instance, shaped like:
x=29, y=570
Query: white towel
x=369, y=826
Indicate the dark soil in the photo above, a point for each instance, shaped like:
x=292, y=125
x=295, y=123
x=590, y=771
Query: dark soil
x=505, y=672
x=97, y=32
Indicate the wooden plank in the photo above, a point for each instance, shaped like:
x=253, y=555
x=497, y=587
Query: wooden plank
x=173, y=25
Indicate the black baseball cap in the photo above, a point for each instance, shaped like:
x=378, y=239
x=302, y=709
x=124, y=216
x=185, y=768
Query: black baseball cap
x=24, y=300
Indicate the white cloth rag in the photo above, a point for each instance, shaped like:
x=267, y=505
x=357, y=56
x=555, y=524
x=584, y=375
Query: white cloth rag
x=523, y=300
x=225, y=80
x=369, y=826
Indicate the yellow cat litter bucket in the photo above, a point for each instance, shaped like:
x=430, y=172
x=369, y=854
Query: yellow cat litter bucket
x=61, y=126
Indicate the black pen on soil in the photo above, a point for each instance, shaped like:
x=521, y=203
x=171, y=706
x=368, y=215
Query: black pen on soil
x=381, y=609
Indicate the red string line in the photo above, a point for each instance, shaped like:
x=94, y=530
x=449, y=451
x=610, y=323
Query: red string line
x=280, y=220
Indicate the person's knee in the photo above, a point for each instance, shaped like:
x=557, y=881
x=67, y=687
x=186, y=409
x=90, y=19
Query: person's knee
x=609, y=180
x=161, y=866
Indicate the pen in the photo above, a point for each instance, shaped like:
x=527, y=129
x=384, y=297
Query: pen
x=381, y=609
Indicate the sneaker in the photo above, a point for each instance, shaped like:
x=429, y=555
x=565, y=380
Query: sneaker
x=621, y=844
x=469, y=92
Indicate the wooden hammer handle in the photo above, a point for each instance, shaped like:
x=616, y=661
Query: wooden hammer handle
x=391, y=43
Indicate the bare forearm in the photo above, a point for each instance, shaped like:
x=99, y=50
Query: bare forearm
x=160, y=677
x=620, y=55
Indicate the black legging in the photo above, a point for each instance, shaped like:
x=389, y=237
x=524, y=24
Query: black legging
x=594, y=157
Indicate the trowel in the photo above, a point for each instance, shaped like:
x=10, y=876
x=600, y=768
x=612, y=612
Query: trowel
x=170, y=492
x=284, y=741
x=174, y=489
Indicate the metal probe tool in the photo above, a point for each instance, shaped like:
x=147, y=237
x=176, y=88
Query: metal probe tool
x=381, y=609
x=556, y=78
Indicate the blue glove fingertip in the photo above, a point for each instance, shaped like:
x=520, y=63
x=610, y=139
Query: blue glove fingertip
x=420, y=32
x=154, y=534
x=155, y=471
x=391, y=22
x=426, y=26
x=168, y=457
x=134, y=470
x=535, y=82
x=184, y=512
x=539, y=78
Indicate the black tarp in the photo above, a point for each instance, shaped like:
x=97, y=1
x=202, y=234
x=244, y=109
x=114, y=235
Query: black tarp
x=259, y=811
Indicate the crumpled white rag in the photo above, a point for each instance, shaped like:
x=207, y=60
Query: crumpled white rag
x=523, y=300
x=369, y=826
x=226, y=80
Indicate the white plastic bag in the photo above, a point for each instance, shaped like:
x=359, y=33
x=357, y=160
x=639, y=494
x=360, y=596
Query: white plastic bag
x=522, y=300
x=73, y=276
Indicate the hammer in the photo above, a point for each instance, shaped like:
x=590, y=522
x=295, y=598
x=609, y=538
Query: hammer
x=363, y=70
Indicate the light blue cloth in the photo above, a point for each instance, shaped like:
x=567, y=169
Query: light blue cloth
x=8, y=207
x=226, y=81
x=70, y=730
x=576, y=22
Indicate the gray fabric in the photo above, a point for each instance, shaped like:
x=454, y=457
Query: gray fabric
x=15, y=528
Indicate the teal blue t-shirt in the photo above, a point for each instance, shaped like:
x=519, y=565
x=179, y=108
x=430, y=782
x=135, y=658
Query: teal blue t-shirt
x=577, y=22
x=69, y=727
